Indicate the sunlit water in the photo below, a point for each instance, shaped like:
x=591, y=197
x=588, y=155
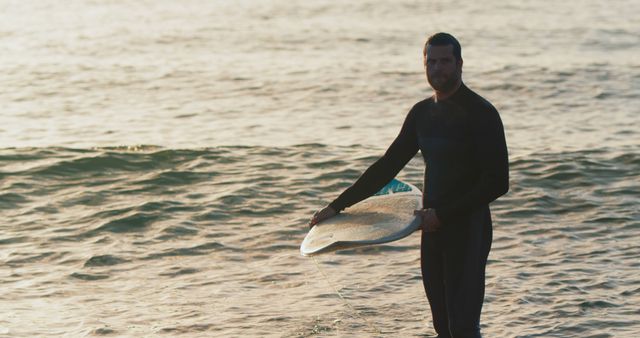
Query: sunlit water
x=159, y=161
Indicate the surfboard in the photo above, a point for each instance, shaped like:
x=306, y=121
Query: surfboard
x=384, y=217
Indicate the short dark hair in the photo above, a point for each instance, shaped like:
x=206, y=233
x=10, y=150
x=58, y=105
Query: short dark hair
x=444, y=39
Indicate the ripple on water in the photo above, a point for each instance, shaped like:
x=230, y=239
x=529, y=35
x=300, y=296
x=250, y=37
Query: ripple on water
x=104, y=331
x=179, y=271
x=187, y=329
x=139, y=221
x=104, y=260
x=176, y=231
x=198, y=250
x=89, y=277
x=12, y=200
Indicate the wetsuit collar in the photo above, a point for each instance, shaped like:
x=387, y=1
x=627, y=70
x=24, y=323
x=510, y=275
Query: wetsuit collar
x=462, y=89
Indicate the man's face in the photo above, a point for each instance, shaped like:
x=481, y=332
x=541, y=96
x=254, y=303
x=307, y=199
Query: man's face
x=443, y=70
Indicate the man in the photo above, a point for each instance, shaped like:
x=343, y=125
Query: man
x=461, y=138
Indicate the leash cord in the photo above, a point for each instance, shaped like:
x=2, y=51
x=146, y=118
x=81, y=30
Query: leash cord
x=344, y=300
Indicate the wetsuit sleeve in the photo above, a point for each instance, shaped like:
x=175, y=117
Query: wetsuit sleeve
x=492, y=163
x=403, y=148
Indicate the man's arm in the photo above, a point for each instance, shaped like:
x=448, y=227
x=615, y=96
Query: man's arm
x=401, y=151
x=403, y=148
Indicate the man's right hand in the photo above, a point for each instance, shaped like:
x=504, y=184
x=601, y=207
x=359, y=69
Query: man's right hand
x=429, y=221
x=321, y=215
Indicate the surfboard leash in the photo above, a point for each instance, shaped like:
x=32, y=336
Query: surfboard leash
x=344, y=300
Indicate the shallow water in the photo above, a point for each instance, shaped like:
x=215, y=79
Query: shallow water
x=159, y=161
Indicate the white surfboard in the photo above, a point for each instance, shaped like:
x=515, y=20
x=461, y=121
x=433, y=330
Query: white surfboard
x=385, y=217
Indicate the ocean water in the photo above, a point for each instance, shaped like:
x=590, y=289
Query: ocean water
x=159, y=161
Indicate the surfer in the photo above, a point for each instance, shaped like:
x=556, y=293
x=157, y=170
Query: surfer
x=461, y=138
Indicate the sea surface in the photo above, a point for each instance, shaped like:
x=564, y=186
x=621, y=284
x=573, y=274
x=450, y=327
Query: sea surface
x=159, y=161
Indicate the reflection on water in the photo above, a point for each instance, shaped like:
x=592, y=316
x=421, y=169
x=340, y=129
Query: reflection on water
x=169, y=155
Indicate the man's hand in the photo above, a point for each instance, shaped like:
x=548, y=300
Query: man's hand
x=321, y=215
x=430, y=221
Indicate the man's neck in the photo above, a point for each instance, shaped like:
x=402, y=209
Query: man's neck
x=444, y=95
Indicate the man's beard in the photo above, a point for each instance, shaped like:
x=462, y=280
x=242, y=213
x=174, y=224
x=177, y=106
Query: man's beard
x=446, y=86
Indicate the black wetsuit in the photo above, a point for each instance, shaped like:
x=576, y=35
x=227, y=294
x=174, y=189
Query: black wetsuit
x=462, y=142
